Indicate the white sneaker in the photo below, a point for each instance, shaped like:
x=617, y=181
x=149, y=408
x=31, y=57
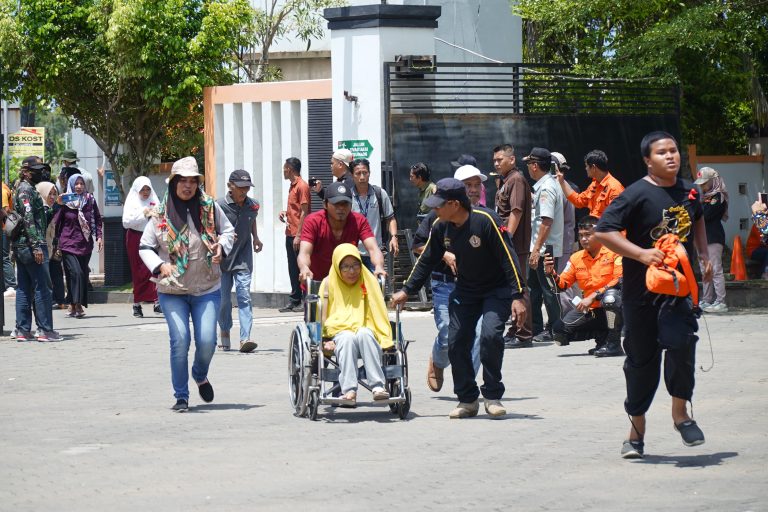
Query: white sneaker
x=717, y=307
x=10, y=292
x=704, y=305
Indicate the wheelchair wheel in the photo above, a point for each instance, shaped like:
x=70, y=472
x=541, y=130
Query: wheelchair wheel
x=393, y=387
x=314, y=404
x=405, y=407
x=299, y=372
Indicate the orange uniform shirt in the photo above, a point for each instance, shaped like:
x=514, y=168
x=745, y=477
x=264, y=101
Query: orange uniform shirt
x=598, y=196
x=591, y=274
x=298, y=194
x=7, y=197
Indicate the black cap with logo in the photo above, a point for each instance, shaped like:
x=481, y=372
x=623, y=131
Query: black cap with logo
x=338, y=192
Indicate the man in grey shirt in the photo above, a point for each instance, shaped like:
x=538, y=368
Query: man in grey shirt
x=237, y=266
x=374, y=204
x=546, y=231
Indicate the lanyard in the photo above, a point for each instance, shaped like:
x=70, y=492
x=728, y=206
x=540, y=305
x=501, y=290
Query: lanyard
x=364, y=210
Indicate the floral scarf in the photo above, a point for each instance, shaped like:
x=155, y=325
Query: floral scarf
x=78, y=202
x=177, y=237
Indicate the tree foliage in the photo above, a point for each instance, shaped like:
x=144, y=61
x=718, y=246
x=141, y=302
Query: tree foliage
x=713, y=49
x=130, y=73
x=277, y=20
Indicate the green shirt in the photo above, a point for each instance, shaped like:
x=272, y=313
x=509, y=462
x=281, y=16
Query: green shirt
x=424, y=192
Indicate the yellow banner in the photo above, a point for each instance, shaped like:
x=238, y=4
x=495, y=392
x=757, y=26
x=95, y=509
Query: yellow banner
x=27, y=142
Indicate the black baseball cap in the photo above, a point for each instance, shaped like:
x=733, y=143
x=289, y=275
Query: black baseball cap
x=540, y=155
x=447, y=189
x=338, y=192
x=465, y=160
x=241, y=178
x=33, y=162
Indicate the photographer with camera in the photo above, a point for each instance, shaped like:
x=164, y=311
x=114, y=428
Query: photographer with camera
x=340, y=162
x=596, y=270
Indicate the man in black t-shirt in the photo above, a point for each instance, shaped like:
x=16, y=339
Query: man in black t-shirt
x=659, y=203
x=488, y=285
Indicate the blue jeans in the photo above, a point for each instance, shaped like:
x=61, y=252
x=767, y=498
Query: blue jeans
x=761, y=254
x=242, y=280
x=33, y=285
x=177, y=310
x=440, y=293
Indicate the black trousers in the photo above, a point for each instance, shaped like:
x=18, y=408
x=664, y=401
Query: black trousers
x=577, y=326
x=293, y=270
x=542, y=292
x=464, y=312
x=642, y=367
x=57, y=280
x=76, y=270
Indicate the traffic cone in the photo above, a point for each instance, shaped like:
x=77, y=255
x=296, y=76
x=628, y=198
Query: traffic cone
x=738, y=268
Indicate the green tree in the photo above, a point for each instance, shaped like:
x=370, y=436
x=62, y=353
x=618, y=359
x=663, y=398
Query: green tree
x=713, y=49
x=130, y=73
x=277, y=20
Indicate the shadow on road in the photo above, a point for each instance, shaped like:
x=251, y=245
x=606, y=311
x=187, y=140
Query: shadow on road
x=690, y=461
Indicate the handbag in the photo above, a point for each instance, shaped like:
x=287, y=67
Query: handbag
x=56, y=254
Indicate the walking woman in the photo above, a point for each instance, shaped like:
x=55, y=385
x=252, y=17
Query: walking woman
x=49, y=195
x=78, y=223
x=183, y=247
x=139, y=207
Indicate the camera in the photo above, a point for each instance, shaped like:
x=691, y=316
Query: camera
x=312, y=182
x=553, y=169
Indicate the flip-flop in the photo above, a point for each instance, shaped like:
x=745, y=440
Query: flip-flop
x=347, y=400
x=247, y=346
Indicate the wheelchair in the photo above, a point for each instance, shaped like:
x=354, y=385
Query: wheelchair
x=313, y=375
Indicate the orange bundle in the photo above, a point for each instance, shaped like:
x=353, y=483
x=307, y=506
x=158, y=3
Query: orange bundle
x=665, y=278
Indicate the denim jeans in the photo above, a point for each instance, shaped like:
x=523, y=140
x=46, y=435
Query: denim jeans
x=33, y=285
x=440, y=293
x=177, y=310
x=242, y=281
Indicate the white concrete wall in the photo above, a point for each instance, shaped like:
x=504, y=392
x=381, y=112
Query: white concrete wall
x=357, y=58
x=258, y=137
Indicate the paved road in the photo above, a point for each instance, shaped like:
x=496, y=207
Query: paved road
x=86, y=426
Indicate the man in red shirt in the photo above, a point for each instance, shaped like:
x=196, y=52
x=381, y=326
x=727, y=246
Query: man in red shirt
x=299, y=205
x=336, y=224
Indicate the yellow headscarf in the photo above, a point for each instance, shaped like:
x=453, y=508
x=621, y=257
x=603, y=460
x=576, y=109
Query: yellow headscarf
x=351, y=307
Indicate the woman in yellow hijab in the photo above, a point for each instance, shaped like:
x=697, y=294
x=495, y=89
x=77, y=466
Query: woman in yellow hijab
x=356, y=319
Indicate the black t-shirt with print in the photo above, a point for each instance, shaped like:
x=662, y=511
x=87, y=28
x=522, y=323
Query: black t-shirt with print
x=639, y=210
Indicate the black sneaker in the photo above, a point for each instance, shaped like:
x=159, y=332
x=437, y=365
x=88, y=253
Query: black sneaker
x=511, y=343
x=609, y=350
x=206, y=392
x=290, y=308
x=690, y=432
x=180, y=406
x=632, y=449
x=137, y=312
x=156, y=308
x=543, y=337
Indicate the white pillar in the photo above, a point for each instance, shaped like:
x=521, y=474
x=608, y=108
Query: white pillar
x=363, y=38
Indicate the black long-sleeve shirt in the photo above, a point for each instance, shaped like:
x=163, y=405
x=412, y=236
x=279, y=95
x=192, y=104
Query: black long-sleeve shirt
x=485, y=259
x=714, y=209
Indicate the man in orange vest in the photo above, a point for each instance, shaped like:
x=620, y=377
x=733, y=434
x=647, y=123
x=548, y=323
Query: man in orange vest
x=601, y=192
x=596, y=269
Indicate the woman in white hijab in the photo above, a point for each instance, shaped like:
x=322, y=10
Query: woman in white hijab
x=139, y=207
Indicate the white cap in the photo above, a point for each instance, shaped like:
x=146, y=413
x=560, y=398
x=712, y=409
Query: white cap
x=468, y=171
x=558, y=158
x=186, y=167
x=343, y=155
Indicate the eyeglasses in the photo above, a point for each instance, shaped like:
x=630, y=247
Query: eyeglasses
x=350, y=268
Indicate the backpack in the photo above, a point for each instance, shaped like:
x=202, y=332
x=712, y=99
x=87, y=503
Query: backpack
x=13, y=225
x=665, y=278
